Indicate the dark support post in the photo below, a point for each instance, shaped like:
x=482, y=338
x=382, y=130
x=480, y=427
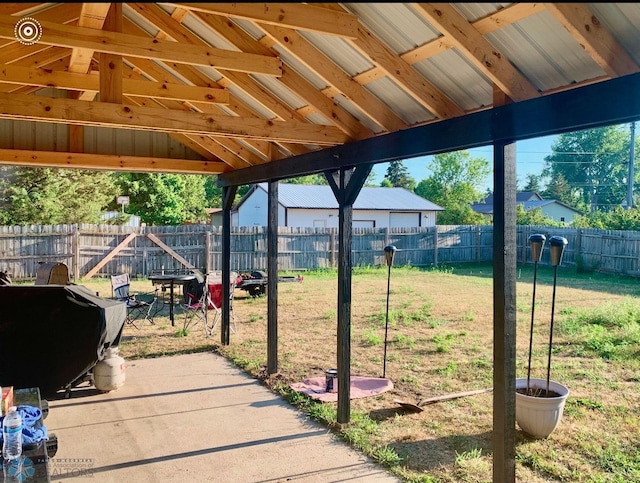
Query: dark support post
x=272, y=280
x=228, y=195
x=504, y=313
x=346, y=184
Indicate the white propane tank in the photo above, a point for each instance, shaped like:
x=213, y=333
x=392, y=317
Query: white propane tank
x=108, y=374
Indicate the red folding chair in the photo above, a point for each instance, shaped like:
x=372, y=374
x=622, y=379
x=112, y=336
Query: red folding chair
x=214, y=285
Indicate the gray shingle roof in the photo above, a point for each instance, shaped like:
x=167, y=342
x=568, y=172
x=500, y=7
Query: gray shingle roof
x=370, y=198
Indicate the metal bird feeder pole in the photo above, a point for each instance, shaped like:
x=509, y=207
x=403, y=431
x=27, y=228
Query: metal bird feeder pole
x=389, y=252
x=536, y=242
x=557, y=245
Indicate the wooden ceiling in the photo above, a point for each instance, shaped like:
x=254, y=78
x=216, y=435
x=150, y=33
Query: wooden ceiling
x=247, y=84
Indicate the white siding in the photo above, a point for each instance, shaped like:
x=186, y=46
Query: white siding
x=397, y=220
x=253, y=212
x=557, y=211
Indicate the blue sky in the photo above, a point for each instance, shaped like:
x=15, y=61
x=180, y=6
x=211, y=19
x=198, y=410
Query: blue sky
x=530, y=156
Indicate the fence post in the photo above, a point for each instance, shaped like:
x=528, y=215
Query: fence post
x=207, y=253
x=75, y=248
x=577, y=254
x=435, y=245
x=332, y=248
x=145, y=251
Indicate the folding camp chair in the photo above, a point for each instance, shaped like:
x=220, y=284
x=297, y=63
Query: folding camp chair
x=136, y=308
x=196, y=305
x=214, y=285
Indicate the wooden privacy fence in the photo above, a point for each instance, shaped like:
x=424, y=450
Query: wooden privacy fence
x=104, y=250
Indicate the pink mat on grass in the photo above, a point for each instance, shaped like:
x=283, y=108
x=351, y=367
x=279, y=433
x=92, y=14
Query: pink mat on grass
x=360, y=386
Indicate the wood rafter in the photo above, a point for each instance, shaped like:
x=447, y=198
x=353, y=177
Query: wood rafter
x=502, y=18
x=92, y=16
x=13, y=74
x=53, y=159
x=587, y=30
x=308, y=55
x=478, y=50
x=123, y=44
x=171, y=28
x=291, y=15
x=20, y=106
x=317, y=102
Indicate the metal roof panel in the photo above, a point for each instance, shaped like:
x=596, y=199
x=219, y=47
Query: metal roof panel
x=370, y=198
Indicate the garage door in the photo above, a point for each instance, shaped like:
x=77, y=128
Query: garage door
x=398, y=219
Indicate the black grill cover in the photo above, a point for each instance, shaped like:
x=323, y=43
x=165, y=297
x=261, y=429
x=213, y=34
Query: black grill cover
x=50, y=335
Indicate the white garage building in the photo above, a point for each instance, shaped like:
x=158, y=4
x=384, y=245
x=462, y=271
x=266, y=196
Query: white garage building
x=315, y=206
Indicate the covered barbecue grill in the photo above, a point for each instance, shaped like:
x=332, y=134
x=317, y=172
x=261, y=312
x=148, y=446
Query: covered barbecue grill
x=52, y=335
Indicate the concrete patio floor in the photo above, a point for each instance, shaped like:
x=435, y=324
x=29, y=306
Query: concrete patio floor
x=195, y=418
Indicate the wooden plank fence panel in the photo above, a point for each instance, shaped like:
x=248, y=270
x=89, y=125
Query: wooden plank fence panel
x=22, y=248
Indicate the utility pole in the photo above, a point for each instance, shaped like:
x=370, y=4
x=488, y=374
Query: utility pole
x=631, y=162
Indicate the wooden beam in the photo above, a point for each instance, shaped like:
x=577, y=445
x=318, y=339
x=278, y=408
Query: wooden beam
x=41, y=108
x=108, y=162
x=504, y=306
x=111, y=64
x=419, y=88
x=345, y=183
x=504, y=313
x=593, y=37
x=135, y=46
x=292, y=15
x=76, y=138
x=506, y=16
x=272, y=278
x=290, y=78
x=309, y=56
x=228, y=195
x=110, y=255
x=587, y=107
x=92, y=16
x=16, y=8
x=45, y=77
x=478, y=50
x=231, y=80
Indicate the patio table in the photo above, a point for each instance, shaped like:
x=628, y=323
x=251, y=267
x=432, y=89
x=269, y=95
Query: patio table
x=171, y=280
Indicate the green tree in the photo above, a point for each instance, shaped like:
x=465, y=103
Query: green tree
x=452, y=185
x=165, y=199
x=594, y=163
x=50, y=196
x=616, y=219
x=559, y=189
x=534, y=183
x=398, y=176
x=212, y=192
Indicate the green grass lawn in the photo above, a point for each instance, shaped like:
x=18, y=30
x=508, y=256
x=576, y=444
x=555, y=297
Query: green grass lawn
x=440, y=341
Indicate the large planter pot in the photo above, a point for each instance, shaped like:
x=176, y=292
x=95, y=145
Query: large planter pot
x=539, y=416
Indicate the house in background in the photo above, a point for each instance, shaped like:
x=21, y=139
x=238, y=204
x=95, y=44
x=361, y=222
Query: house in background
x=215, y=216
x=132, y=220
x=315, y=206
x=530, y=200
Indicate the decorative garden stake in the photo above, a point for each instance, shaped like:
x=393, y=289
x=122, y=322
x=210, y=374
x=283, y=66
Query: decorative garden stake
x=389, y=252
x=536, y=242
x=539, y=411
x=557, y=245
